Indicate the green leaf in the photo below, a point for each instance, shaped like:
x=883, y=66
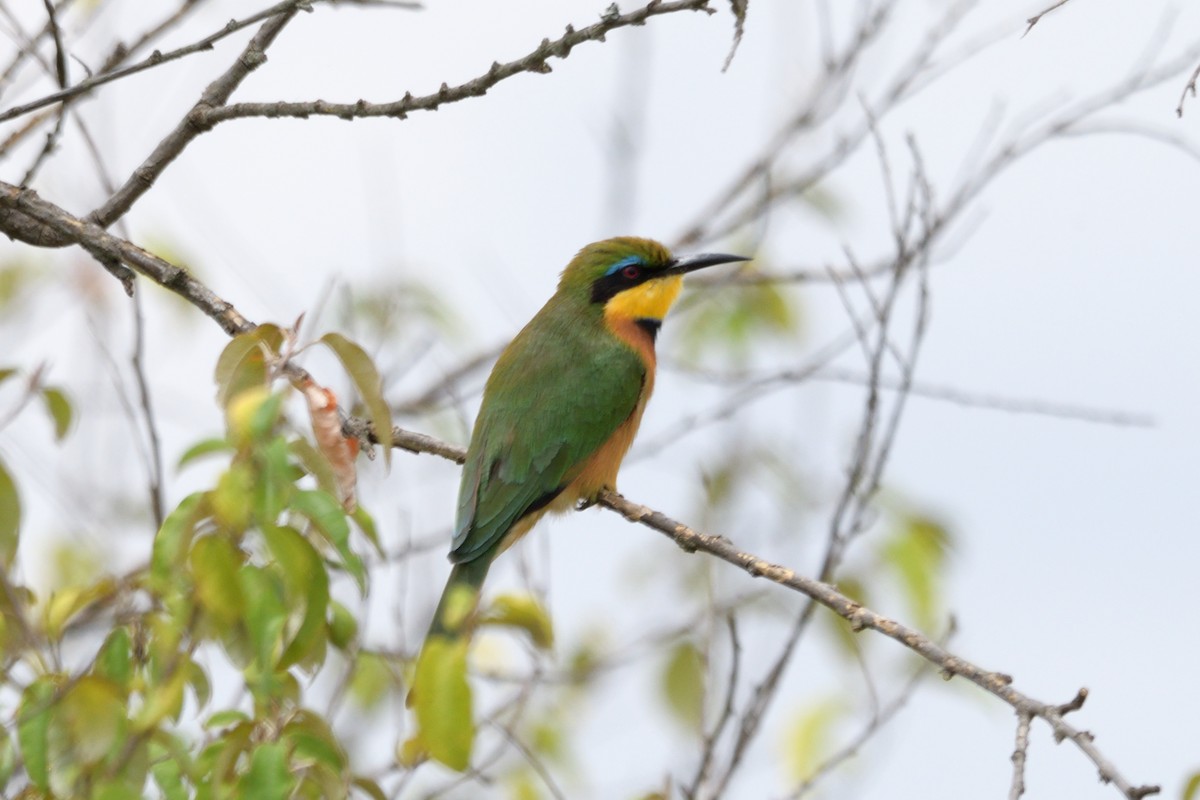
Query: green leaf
x=314, y=464
x=268, y=777
x=343, y=627
x=305, y=576
x=215, y=563
x=60, y=410
x=241, y=364
x=67, y=602
x=522, y=785
x=276, y=480
x=116, y=789
x=93, y=715
x=265, y=614
x=10, y=519
x=313, y=742
x=167, y=769
x=371, y=679
x=1192, y=789
x=6, y=373
x=198, y=680
x=174, y=538
x=204, y=447
x=15, y=278
x=162, y=700
x=8, y=758
x=223, y=719
x=366, y=524
x=368, y=787
x=362, y=371
x=233, y=497
x=523, y=612
x=33, y=728
x=329, y=518
x=115, y=659
x=809, y=737
x=251, y=415
x=683, y=684
x=442, y=700
x=916, y=551
x=216, y=763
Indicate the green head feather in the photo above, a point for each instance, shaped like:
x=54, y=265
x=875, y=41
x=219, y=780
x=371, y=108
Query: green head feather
x=600, y=258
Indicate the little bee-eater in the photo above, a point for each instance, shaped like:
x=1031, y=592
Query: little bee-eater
x=561, y=406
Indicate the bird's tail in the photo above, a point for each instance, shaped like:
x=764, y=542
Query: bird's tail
x=440, y=695
x=455, y=613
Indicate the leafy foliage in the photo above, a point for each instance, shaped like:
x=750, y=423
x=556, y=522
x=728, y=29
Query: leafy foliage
x=240, y=573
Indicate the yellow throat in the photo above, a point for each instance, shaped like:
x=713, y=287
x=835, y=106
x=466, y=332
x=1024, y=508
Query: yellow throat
x=649, y=300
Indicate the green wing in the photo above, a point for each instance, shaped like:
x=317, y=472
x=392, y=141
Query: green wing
x=554, y=397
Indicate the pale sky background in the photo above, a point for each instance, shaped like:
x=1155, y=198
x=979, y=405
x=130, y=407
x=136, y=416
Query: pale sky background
x=1073, y=282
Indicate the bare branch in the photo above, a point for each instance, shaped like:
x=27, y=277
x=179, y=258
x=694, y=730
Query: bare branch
x=154, y=59
x=1020, y=753
x=878, y=721
x=860, y=617
x=28, y=46
x=192, y=125
x=535, y=61
x=1036, y=18
x=113, y=252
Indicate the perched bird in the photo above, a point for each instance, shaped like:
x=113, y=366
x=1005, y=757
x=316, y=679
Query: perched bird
x=561, y=406
x=559, y=412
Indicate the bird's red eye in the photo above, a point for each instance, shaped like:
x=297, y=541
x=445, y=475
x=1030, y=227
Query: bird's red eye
x=631, y=272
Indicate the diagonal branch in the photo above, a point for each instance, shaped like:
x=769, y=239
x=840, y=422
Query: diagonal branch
x=860, y=617
x=535, y=61
x=114, y=252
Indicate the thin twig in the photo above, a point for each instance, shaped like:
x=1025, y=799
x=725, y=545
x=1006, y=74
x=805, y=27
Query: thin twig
x=1020, y=753
x=713, y=735
x=883, y=715
x=216, y=94
x=531, y=759
x=154, y=59
x=60, y=75
x=155, y=465
x=1036, y=18
x=28, y=47
x=1189, y=88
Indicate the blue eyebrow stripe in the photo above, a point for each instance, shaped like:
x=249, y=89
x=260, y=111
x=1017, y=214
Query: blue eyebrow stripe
x=623, y=263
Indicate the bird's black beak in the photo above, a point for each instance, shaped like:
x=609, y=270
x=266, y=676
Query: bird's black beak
x=679, y=266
